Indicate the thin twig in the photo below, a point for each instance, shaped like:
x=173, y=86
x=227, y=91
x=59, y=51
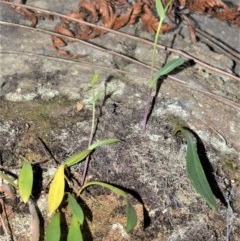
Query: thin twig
x=78, y=61
x=4, y=228
x=194, y=87
x=219, y=45
x=92, y=133
x=111, y=52
x=47, y=152
x=165, y=48
x=209, y=94
x=7, y=226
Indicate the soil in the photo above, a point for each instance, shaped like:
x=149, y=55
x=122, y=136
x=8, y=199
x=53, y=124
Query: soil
x=40, y=94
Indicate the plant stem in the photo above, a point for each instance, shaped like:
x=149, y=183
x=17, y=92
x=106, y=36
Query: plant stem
x=91, y=135
x=149, y=97
x=147, y=109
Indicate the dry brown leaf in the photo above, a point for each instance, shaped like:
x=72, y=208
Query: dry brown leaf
x=116, y=14
x=79, y=106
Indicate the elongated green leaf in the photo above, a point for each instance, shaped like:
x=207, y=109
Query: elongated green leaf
x=97, y=96
x=25, y=181
x=53, y=230
x=56, y=191
x=196, y=173
x=106, y=185
x=74, y=233
x=131, y=217
x=160, y=10
x=103, y=143
x=130, y=211
x=168, y=5
x=166, y=69
x=8, y=180
x=78, y=157
x=75, y=208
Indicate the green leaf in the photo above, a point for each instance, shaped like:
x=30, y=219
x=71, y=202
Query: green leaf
x=160, y=9
x=196, y=173
x=8, y=180
x=168, y=5
x=75, y=208
x=131, y=217
x=74, y=233
x=103, y=143
x=130, y=212
x=94, y=79
x=166, y=69
x=25, y=181
x=56, y=191
x=97, y=96
x=53, y=230
x=78, y=157
x=106, y=185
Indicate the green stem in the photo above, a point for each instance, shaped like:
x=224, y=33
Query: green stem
x=149, y=99
x=91, y=136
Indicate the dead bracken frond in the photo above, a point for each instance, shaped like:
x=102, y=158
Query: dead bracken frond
x=115, y=14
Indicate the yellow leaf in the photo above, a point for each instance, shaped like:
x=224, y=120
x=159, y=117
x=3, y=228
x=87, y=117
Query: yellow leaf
x=56, y=191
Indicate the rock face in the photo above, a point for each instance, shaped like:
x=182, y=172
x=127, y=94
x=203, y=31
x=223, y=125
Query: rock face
x=39, y=91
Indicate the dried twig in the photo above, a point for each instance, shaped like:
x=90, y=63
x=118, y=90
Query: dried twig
x=233, y=54
x=7, y=192
x=178, y=81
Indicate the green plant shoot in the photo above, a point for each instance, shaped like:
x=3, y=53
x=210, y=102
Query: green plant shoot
x=195, y=170
x=162, y=14
x=170, y=66
x=95, y=97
